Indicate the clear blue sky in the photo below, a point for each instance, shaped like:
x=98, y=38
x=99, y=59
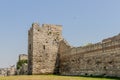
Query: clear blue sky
x=83, y=21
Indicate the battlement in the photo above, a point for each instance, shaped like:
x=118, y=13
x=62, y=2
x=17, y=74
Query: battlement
x=48, y=26
x=52, y=25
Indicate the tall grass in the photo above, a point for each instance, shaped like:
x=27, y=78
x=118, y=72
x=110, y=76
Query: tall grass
x=52, y=77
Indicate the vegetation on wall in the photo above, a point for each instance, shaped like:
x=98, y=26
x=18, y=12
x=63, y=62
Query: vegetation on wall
x=20, y=63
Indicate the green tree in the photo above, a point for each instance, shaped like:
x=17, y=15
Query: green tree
x=20, y=63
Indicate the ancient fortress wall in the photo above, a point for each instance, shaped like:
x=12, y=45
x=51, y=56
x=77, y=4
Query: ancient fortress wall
x=43, y=43
x=49, y=53
x=100, y=59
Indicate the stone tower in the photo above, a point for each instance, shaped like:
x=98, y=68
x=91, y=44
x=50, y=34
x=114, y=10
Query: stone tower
x=43, y=44
x=23, y=57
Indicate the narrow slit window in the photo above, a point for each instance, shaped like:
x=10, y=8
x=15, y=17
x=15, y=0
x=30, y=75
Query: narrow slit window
x=30, y=46
x=44, y=47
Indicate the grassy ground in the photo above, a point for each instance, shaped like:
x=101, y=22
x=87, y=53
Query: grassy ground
x=51, y=77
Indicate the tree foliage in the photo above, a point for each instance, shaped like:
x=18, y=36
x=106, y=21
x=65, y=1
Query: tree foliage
x=20, y=63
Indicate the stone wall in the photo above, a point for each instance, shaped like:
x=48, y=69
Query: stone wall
x=49, y=53
x=3, y=71
x=8, y=71
x=100, y=59
x=43, y=44
x=23, y=57
x=11, y=71
x=23, y=69
x=23, y=65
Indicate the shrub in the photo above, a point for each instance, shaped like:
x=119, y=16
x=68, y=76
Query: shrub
x=20, y=63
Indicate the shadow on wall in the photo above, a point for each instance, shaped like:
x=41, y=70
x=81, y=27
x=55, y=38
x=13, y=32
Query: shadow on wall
x=57, y=65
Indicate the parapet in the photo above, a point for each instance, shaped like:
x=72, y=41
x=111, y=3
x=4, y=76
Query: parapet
x=35, y=26
x=114, y=38
x=46, y=27
x=52, y=27
x=105, y=45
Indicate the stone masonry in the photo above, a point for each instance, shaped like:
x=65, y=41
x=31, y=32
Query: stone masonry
x=23, y=70
x=23, y=57
x=100, y=59
x=8, y=71
x=43, y=44
x=49, y=53
x=11, y=71
x=3, y=71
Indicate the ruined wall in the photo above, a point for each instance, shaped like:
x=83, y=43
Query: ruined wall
x=3, y=71
x=8, y=71
x=22, y=65
x=43, y=44
x=49, y=53
x=100, y=59
x=23, y=57
x=11, y=71
x=23, y=69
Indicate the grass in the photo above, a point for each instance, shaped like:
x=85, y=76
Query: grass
x=52, y=77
